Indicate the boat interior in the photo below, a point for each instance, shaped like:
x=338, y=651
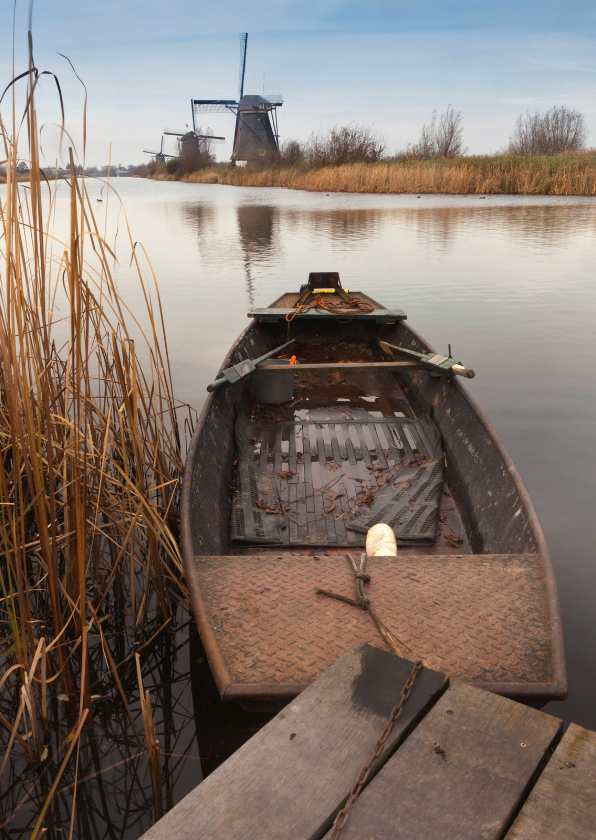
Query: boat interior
x=351, y=449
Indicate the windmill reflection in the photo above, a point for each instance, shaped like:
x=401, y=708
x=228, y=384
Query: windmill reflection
x=257, y=227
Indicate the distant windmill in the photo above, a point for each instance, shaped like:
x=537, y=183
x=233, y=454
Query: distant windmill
x=256, y=135
x=191, y=137
x=160, y=156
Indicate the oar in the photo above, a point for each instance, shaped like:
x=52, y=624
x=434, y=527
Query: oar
x=237, y=372
x=432, y=361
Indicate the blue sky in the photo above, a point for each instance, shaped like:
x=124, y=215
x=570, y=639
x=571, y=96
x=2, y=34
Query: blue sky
x=335, y=61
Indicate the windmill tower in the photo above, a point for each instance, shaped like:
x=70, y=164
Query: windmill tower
x=256, y=135
x=160, y=157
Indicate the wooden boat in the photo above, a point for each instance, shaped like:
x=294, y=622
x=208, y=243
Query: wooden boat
x=276, y=498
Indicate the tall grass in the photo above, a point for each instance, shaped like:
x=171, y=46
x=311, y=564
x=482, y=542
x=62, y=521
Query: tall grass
x=560, y=175
x=90, y=456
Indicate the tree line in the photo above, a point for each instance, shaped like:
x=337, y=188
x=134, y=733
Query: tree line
x=558, y=130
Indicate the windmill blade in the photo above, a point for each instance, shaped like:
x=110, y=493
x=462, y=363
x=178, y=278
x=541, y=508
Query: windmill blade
x=147, y=152
x=213, y=106
x=175, y=133
x=161, y=147
x=274, y=98
x=211, y=137
x=243, y=43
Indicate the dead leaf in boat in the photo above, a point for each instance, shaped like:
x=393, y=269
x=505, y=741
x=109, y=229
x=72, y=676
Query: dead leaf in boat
x=285, y=474
x=331, y=495
x=331, y=509
x=454, y=539
x=367, y=497
x=381, y=479
x=262, y=504
x=360, y=479
x=332, y=467
x=402, y=484
x=63, y=697
x=253, y=440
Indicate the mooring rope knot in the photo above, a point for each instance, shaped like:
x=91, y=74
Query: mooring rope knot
x=361, y=577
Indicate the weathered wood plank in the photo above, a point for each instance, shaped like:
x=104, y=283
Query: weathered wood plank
x=341, y=367
x=380, y=316
x=460, y=774
x=563, y=802
x=291, y=778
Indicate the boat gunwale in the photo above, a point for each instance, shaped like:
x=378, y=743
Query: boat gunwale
x=282, y=693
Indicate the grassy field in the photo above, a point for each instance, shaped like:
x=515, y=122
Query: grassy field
x=561, y=175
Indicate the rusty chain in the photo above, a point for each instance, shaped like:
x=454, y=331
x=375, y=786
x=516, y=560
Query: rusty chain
x=342, y=816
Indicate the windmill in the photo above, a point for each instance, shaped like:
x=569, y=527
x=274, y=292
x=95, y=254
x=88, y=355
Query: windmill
x=256, y=135
x=203, y=141
x=160, y=157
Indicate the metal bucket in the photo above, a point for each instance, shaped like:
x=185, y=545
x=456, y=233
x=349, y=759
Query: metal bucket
x=271, y=387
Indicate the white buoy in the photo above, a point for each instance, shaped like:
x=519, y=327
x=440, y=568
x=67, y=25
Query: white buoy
x=380, y=541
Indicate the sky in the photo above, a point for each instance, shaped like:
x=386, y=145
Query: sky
x=386, y=63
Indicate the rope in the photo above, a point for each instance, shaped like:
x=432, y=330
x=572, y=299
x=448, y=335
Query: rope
x=351, y=306
x=362, y=601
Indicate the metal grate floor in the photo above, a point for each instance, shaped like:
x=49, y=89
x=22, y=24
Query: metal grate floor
x=325, y=481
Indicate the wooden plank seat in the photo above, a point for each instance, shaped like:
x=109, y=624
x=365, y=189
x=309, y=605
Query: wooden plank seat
x=480, y=618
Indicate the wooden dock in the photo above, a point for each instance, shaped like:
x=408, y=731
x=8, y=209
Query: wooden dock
x=459, y=763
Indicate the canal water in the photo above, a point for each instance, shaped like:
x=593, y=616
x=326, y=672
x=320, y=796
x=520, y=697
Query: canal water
x=508, y=281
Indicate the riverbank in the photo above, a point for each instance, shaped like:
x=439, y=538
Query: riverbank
x=561, y=175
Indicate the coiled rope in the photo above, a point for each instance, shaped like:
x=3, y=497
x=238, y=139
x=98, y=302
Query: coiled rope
x=351, y=306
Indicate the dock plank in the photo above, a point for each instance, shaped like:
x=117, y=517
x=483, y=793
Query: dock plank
x=563, y=802
x=461, y=774
x=292, y=777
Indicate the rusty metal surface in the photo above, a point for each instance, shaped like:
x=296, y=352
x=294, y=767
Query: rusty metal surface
x=481, y=618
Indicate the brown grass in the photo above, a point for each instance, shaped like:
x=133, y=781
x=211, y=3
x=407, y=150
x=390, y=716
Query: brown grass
x=561, y=175
x=90, y=456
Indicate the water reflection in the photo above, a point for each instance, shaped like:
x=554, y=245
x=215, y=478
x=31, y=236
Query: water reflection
x=257, y=228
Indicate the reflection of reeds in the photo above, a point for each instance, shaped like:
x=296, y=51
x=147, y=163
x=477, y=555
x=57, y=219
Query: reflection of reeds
x=564, y=175
x=90, y=458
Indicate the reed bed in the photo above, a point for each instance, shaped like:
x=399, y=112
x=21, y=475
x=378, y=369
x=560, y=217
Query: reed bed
x=560, y=175
x=91, y=457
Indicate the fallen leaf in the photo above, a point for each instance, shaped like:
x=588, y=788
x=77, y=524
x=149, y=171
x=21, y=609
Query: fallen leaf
x=331, y=495
x=63, y=697
x=44, y=754
x=253, y=440
x=454, y=539
x=331, y=509
x=262, y=504
x=285, y=474
x=360, y=479
x=366, y=499
x=332, y=467
x=402, y=484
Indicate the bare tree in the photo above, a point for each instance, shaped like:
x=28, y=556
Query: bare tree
x=559, y=130
x=444, y=140
x=351, y=143
x=291, y=153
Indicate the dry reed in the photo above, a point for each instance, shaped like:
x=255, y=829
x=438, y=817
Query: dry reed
x=90, y=458
x=564, y=175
